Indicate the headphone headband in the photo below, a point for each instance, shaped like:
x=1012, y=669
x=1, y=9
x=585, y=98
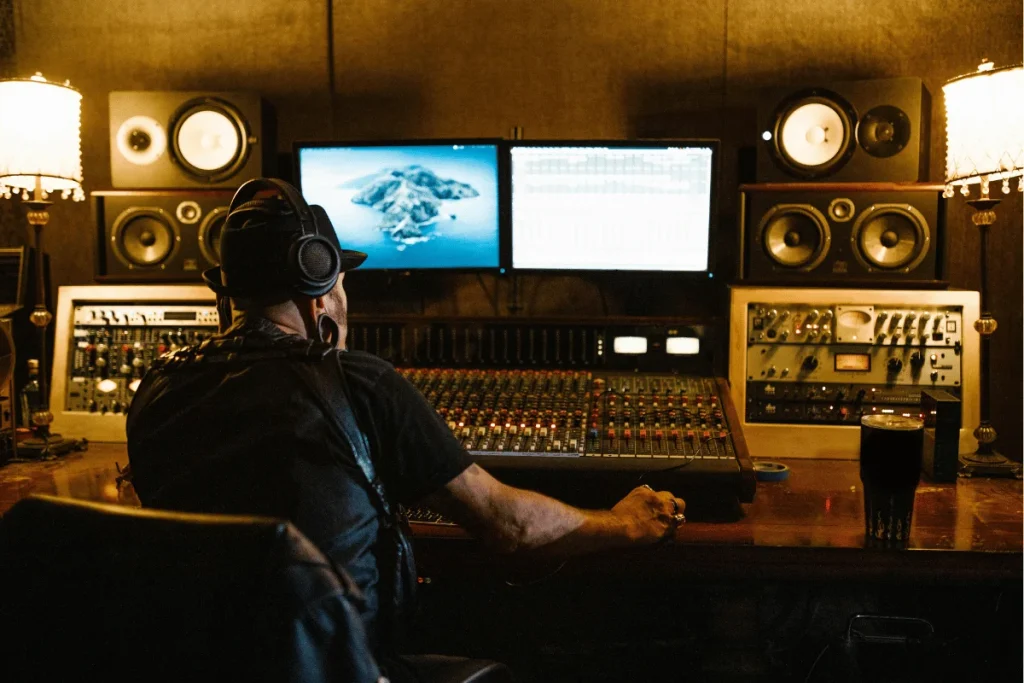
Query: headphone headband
x=248, y=191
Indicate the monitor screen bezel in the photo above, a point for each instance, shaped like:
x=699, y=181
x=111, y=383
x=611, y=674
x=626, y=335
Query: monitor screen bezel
x=652, y=143
x=504, y=194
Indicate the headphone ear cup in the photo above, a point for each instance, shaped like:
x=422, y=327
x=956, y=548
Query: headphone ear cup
x=315, y=264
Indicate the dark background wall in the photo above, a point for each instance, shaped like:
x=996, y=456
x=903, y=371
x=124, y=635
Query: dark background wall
x=560, y=68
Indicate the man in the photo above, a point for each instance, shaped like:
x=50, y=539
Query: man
x=270, y=417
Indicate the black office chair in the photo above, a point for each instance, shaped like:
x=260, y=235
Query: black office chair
x=90, y=591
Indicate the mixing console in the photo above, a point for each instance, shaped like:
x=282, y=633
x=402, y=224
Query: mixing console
x=566, y=408
x=646, y=418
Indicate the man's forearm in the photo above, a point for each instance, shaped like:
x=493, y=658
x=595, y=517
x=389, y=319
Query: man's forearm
x=517, y=520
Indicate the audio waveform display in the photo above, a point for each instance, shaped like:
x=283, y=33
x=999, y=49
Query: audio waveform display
x=584, y=206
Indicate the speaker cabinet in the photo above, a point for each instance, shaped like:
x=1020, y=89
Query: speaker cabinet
x=169, y=236
x=859, y=131
x=873, y=234
x=189, y=139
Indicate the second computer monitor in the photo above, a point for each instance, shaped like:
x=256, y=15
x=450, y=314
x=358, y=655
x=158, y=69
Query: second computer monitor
x=613, y=206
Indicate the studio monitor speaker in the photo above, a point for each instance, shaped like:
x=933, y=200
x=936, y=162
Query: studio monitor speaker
x=858, y=131
x=162, y=139
x=158, y=235
x=873, y=234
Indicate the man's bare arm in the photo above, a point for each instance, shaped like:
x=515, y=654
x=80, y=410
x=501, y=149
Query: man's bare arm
x=516, y=520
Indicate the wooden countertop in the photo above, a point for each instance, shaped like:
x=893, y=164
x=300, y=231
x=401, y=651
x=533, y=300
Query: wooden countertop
x=809, y=526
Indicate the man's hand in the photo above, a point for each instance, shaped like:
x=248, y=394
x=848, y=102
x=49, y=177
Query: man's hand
x=650, y=515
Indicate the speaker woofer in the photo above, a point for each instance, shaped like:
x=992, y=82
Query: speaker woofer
x=209, y=234
x=795, y=236
x=813, y=133
x=209, y=139
x=144, y=238
x=884, y=131
x=890, y=237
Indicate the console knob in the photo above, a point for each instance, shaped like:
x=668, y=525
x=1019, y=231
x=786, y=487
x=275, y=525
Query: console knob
x=934, y=375
x=784, y=335
x=917, y=359
x=772, y=314
x=827, y=315
x=812, y=316
x=881, y=338
x=810, y=363
x=894, y=365
x=896, y=317
x=909, y=321
x=783, y=315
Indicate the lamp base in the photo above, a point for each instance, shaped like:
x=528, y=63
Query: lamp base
x=990, y=464
x=51, y=446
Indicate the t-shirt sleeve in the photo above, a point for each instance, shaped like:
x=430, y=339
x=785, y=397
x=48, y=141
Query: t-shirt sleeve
x=421, y=454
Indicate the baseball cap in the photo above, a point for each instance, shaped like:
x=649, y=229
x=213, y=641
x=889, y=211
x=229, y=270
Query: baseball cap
x=257, y=244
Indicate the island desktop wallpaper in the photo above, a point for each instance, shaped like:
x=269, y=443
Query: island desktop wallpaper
x=409, y=207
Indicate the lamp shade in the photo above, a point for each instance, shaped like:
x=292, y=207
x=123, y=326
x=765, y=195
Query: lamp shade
x=984, y=128
x=40, y=137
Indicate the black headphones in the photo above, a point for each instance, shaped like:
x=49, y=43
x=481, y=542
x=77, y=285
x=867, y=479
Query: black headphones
x=314, y=259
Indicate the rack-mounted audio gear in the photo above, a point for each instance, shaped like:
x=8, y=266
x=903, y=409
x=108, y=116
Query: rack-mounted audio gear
x=806, y=364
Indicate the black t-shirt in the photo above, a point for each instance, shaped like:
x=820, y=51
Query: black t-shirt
x=252, y=438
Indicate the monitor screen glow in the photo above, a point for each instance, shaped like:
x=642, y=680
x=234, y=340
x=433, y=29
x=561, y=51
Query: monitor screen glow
x=621, y=207
x=409, y=206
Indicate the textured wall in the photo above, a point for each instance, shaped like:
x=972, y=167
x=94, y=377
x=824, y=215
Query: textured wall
x=559, y=68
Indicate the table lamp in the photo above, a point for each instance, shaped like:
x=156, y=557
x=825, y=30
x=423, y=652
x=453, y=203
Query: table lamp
x=985, y=146
x=40, y=155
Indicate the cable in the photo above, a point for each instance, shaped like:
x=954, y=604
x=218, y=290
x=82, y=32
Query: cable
x=492, y=299
x=815, y=665
x=534, y=582
x=330, y=63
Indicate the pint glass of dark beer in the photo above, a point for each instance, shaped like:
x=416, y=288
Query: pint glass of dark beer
x=890, y=468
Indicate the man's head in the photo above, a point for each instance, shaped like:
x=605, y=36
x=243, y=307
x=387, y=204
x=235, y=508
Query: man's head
x=281, y=257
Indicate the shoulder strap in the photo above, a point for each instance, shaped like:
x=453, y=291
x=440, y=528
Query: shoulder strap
x=341, y=409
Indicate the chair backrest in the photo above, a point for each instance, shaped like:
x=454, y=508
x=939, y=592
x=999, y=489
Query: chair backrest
x=89, y=590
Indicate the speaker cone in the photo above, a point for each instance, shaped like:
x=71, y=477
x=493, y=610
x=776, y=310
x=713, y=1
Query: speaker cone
x=210, y=139
x=209, y=234
x=144, y=238
x=884, y=131
x=813, y=133
x=795, y=236
x=890, y=237
x=141, y=140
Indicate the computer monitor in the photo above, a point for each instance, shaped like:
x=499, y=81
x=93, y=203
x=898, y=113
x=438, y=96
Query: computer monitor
x=613, y=206
x=410, y=205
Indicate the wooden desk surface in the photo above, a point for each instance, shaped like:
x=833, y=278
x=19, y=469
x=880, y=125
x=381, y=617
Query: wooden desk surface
x=809, y=526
